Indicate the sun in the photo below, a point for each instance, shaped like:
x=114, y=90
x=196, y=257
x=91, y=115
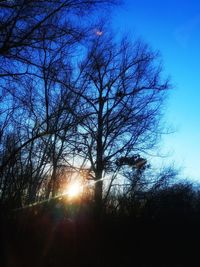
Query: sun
x=74, y=190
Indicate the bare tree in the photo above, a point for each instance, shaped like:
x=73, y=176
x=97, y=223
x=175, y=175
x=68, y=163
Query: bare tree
x=23, y=24
x=45, y=121
x=122, y=93
x=31, y=31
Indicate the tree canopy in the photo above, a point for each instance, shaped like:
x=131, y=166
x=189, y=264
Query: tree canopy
x=73, y=99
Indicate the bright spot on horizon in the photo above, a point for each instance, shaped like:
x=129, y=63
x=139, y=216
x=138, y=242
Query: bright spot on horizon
x=74, y=190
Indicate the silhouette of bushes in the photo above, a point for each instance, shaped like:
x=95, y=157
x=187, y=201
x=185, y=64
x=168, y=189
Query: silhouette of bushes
x=158, y=229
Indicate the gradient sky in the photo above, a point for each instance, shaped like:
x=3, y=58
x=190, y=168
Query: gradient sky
x=173, y=27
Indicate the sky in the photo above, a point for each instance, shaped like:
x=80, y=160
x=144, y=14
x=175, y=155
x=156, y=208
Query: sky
x=173, y=28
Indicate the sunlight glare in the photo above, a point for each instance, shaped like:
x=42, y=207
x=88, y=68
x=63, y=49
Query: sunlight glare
x=74, y=190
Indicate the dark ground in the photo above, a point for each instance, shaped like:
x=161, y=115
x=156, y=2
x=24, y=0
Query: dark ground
x=45, y=239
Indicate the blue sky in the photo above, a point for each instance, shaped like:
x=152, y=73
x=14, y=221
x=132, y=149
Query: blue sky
x=173, y=27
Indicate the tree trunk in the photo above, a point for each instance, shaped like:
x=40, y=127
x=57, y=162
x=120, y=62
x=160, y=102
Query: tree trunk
x=54, y=182
x=99, y=161
x=98, y=197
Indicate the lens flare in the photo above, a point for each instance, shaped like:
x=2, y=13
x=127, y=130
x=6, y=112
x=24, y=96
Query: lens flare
x=99, y=33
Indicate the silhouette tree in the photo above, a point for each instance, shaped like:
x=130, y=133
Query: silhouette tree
x=122, y=95
x=37, y=43
x=30, y=30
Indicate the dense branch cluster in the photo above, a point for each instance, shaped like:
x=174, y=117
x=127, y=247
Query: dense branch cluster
x=72, y=99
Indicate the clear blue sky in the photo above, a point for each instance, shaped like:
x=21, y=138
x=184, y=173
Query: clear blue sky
x=173, y=27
